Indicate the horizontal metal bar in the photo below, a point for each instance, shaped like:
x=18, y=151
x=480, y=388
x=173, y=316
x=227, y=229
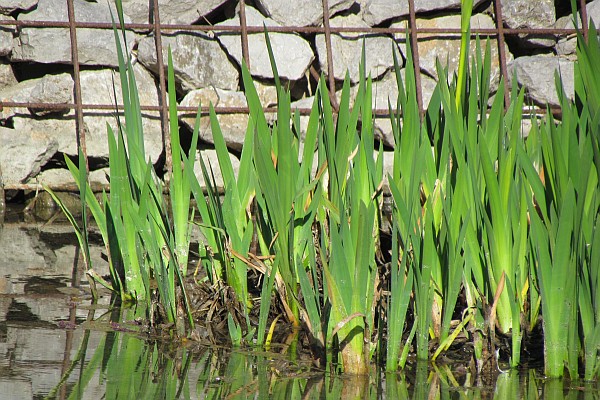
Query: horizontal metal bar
x=185, y=111
x=288, y=29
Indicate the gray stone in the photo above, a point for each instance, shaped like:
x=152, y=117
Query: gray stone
x=519, y=14
x=567, y=46
x=347, y=49
x=536, y=74
x=292, y=53
x=266, y=93
x=300, y=13
x=62, y=177
x=100, y=86
x=53, y=45
x=171, y=11
x=62, y=129
x=211, y=160
x=233, y=126
x=24, y=153
x=97, y=87
x=47, y=89
x=305, y=103
x=7, y=76
x=383, y=90
x=387, y=89
x=198, y=60
x=446, y=48
x=428, y=86
x=388, y=169
x=6, y=36
x=375, y=12
x=9, y=6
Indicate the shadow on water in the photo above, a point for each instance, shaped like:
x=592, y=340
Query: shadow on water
x=55, y=344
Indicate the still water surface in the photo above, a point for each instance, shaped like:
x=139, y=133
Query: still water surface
x=55, y=344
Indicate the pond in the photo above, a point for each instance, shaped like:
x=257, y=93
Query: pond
x=56, y=343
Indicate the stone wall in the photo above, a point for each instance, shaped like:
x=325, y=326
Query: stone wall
x=35, y=65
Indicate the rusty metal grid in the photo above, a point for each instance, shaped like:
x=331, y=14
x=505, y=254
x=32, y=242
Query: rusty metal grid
x=500, y=33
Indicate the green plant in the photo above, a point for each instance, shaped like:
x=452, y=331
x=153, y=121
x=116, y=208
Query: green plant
x=227, y=225
x=143, y=243
x=512, y=223
x=288, y=197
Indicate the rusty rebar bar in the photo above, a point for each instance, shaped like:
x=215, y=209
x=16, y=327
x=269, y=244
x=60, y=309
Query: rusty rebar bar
x=415, y=55
x=501, y=50
x=244, y=33
x=330, y=73
x=584, y=19
x=290, y=29
x=186, y=110
x=162, y=101
x=79, y=125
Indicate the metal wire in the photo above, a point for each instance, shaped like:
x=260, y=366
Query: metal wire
x=157, y=28
x=414, y=44
x=162, y=87
x=79, y=126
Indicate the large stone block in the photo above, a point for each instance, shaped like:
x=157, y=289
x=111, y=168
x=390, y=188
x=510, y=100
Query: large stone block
x=536, y=75
x=292, y=53
x=567, y=46
x=198, y=60
x=6, y=36
x=56, y=89
x=347, y=49
x=7, y=75
x=301, y=13
x=374, y=12
x=24, y=153
x=446, y=47
x=9, y=6
x=53, y=45
x=171, y=11
x=233, y=126
x=520, y=14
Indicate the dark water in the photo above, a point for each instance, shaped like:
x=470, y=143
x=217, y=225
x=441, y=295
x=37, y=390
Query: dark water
x=55, y=344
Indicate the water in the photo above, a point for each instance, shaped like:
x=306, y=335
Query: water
x=55, y=344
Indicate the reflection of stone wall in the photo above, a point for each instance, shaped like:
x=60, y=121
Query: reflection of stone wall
x=35, y=297
x=34, y=64
x=31, y=361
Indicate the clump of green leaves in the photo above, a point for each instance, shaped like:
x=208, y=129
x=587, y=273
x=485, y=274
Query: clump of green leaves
x=511, y=223
x=146, y=237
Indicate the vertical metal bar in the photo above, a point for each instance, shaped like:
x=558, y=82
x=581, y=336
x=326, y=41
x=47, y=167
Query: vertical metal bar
x=414, y=43
x=501, y=48
x=584, y=19
x=164, y=110
x=244, y=27
x=330, y=75
x=2, y=198
x=79, y=126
